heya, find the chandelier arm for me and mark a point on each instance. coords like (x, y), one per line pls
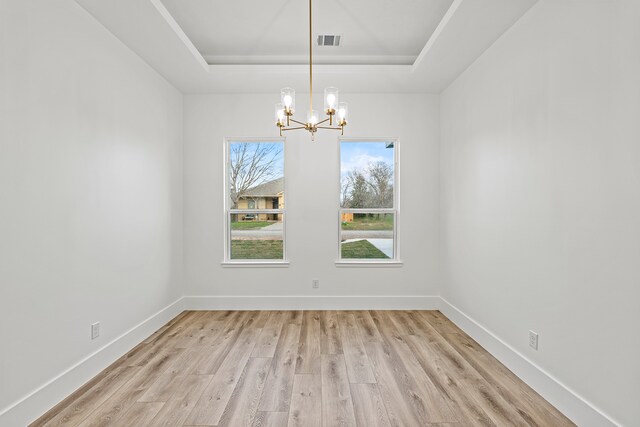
(300, 123)
(328, 127)
(324, 121)
(296, 128)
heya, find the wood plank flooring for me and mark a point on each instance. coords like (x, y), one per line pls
(311, 368)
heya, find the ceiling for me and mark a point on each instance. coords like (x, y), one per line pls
(372, 31)
(254, 46)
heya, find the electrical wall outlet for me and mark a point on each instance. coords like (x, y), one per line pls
(95, 330)
(533, 340)
(315, 283)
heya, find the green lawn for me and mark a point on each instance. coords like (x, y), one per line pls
(361, 249)
(256, 249)
(370, 223)
(248, 225)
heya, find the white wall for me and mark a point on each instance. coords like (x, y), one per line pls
(540, 195)
(90, 192)
(312, 170)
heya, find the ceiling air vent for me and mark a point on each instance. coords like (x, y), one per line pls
(329, 40)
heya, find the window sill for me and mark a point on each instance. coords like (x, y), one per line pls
(363, 263)
(253, 264)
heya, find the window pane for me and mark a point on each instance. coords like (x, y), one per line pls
(367, 174)
(256, 236)
(256, 175)
(367, 235)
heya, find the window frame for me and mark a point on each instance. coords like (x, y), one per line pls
(395, 210)
(227, 211)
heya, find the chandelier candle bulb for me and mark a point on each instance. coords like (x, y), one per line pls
(330, 100)
(343, 112)
(288, 99)
(280, 115)
(312, 117)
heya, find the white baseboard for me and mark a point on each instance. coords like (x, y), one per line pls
(559, 395)
(38, 402)
(311, 302)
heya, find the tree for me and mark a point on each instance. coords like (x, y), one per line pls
(380, 180)
(345, 195)
(250, 164)
(357, 189)
(370, 187)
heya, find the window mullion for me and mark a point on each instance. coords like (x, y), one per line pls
(268, 211)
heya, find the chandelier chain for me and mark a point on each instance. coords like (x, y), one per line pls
(310, 59)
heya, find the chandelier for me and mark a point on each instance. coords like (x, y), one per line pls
(286, 107)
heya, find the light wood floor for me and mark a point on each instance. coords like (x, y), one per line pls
(311, 368)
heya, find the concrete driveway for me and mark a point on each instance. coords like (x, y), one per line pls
(275, 226)
(270, 232)
(367, 234)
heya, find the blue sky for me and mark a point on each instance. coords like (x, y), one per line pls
(357, 155)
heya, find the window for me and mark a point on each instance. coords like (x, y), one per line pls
(254, 207)
(368, 211)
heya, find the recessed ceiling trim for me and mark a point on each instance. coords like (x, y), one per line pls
(460, 39)
(179, 32)
(214, 60)
(304, 69)
(434, 36)
(304, 59)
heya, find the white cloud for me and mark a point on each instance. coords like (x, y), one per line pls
(359, 161)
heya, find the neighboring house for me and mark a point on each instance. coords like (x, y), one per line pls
(269, 195)
(347, 217)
